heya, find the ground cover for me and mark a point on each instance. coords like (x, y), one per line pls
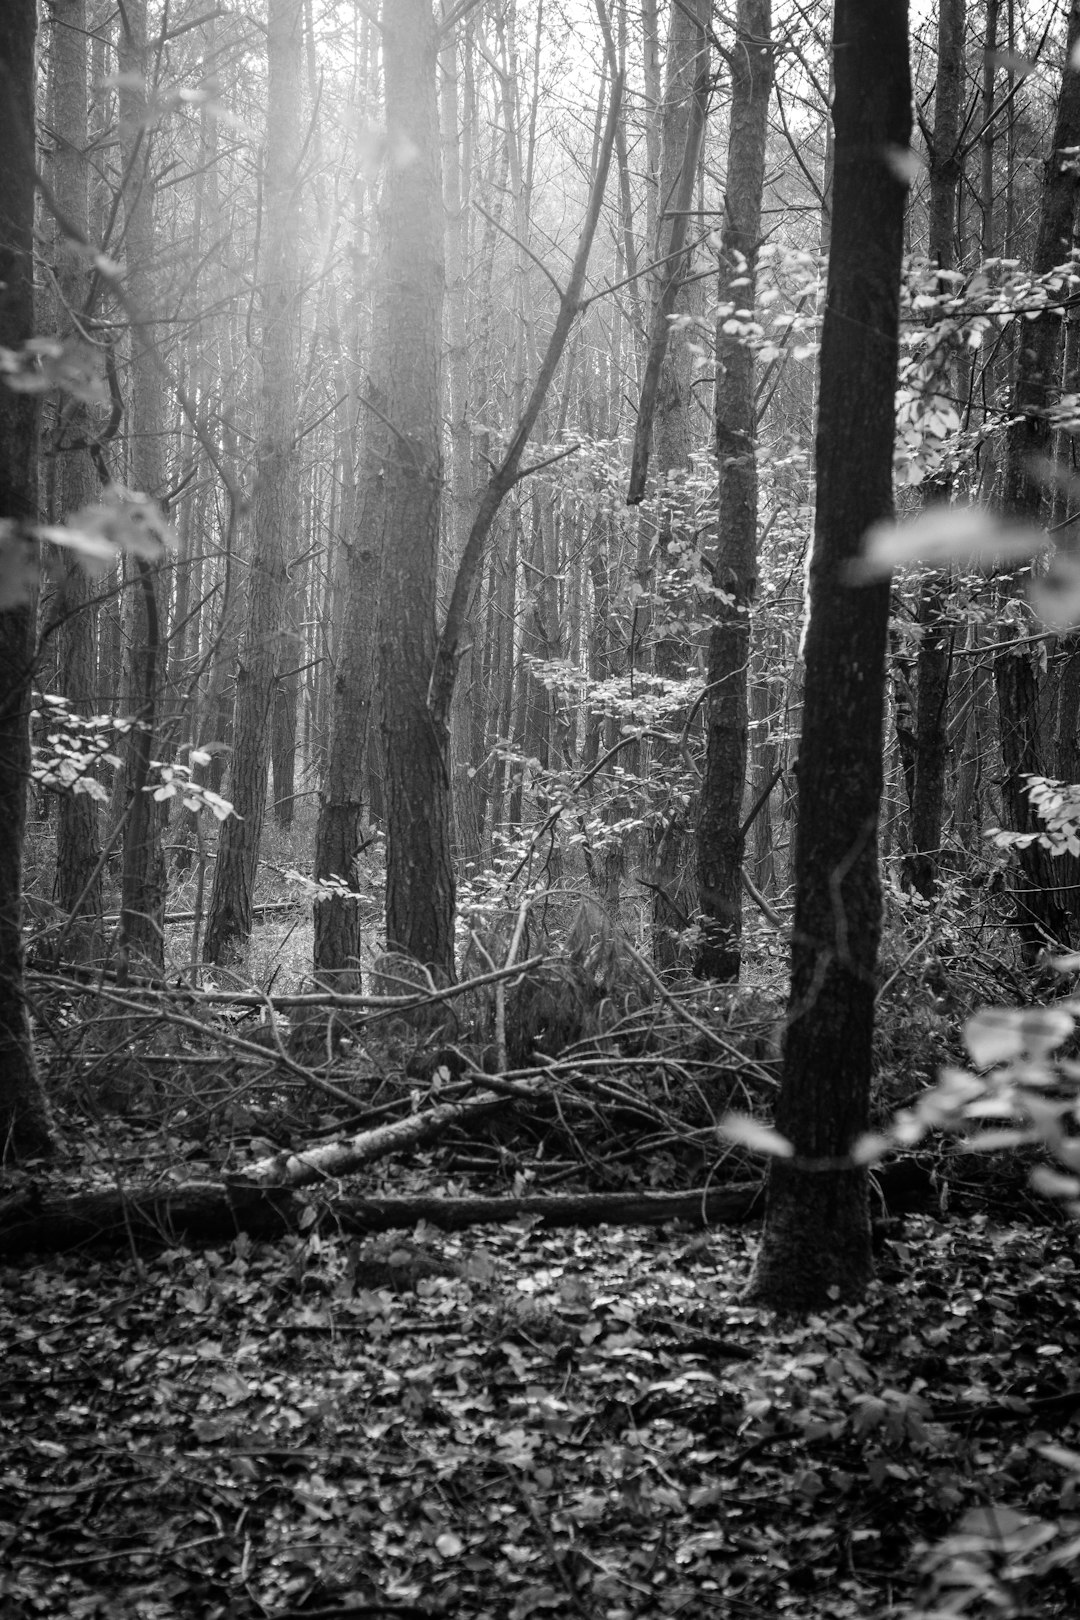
(511, 1422)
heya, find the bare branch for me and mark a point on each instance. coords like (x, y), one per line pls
(665, 302)
(503, 479)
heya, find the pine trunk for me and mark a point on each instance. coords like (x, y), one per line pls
(276, 502)
(406, 437)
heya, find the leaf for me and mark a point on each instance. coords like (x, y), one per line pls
(1012, 62)
(758, 1138)
(943, 534)
(1055, 595)
(1053, 1184)
(870, 1148)
(904, 164)
(1062, 1456)
(992, 1035)
(995, 1521)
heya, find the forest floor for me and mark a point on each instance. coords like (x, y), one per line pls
(514, 1422)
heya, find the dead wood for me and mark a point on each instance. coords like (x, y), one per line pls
(202, 1213)
(199, 1213)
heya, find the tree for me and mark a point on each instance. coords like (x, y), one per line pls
(934, 654)
(403, 454)
(276, 499)
(816, 1242)
(720, 831)
(142, 904)
(24, 1120)
(78, 875)
(1042, 910)
(665, 409)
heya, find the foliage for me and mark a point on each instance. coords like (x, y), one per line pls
(69, 748)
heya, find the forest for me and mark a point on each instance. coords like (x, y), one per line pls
(540, 781)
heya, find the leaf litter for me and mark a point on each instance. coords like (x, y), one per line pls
(513, 1422)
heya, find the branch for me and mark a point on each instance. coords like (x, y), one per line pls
(458, 14)
(549, 461)
(524, 246)
(505, 476)
(665, 303)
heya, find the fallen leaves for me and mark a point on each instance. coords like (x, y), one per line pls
(540, 1424)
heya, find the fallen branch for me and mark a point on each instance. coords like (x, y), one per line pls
(206, 1213)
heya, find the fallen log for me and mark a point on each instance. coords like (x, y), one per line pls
(202, 1213)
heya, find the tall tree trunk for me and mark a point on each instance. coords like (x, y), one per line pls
(466, 718)
(935, 639)
(24, 1120)
(686, 78)
(816, 1244)
(1042, 916)
(719, 833)
(276, 502)
(403, 449)
(78, 880)
(141, 935)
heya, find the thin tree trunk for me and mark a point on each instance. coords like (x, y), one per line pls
(719, 834)
(141, 935)
(816, 1243)
(78, 879)
(934, 658)
(680, 144)
(24, 1121)
(1041, 916)
(276, 502)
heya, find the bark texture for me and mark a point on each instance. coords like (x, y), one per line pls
(78, 881)
(403, 456)
(24, 1120)
(935, 639)
(686, 88)
(719, 834)
(141, 936)
(816, 1244)
(276, 502)
(1042, 908)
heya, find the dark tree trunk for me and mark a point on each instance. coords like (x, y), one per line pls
(1041, 918)
(276, 503)
(24, 1120)
(816, 1243)
(719, 833)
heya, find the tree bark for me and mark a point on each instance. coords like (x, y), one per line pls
(816, 1244)
(25, 1130)
(78, 879)
(934, 658)
(403, 455)
(276, 500)
(681, 127)
(205, 1212)
(720, 837)
(1041, 917)
(199, 1213)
